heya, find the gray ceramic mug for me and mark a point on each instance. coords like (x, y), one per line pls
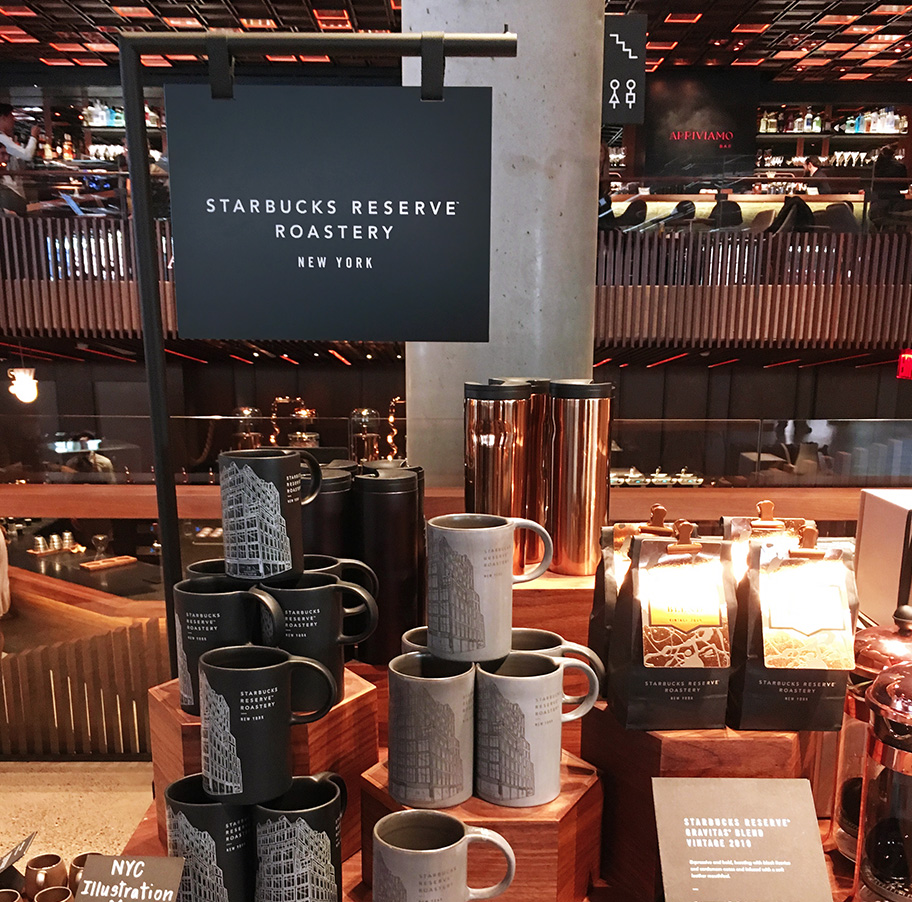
(518, 721)
(431, 721)
(543, 642)
(470, 584)
(420, 856)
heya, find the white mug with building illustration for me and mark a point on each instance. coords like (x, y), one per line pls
(470, 584)
(518, 721)
(431, 719)
(422, 856)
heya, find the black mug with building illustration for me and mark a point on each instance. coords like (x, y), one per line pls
(298, 841)
(215, 841)
(261, 509)
(214, 612)
(518, 721)
(322, 615)
(431, 718)
(470, 584)
(246, 718)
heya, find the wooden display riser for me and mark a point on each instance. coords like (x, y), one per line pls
(556, 845)
(344, 741)
(629, 759)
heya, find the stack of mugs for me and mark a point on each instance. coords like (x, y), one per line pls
(260, 639)
(48, 879)
(479, 708)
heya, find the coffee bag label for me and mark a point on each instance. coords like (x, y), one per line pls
(685, 617)
(806, 617)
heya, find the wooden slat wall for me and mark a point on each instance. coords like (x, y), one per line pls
(736, 289)
(86, 697)
(74, 277)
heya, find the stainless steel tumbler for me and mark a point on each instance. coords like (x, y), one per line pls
(581, 413)
(538, 459)
(496, 424)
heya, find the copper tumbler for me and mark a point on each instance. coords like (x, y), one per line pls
(581, 413)
(496, 424)
(43, 871)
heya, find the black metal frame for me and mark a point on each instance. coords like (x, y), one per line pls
(432, 47)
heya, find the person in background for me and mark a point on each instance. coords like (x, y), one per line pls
(88, 461)
(12, 193)
(817, 176)
(890, 179)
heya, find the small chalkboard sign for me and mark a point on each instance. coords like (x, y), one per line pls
(739, 840)
(122, 878)
(16, 852)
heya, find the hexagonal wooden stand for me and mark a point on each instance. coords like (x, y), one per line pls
(344, 741)
(629, 759)
(556, 845)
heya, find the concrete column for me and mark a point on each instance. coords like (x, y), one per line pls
(544, 188)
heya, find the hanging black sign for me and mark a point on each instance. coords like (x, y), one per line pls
(624, 72)
(331, 213)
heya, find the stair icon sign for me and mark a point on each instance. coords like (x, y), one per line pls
(622, 45)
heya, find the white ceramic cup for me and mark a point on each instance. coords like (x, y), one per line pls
(421, 856)
(518, 721)
(470, 584)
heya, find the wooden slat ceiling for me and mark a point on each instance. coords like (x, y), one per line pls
(796, 40)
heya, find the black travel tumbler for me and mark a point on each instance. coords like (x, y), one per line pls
(324, 522)
(386, 534)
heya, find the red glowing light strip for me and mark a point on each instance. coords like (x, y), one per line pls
(242, 359)
(185, 356)
(4, 344)
(32, 356)
(769, 366)
(805, 366)
(723, 363)
(106, 354)
(289, 359)
(862, 366)
(683, 18)
(649, 366)
(336, 354)
(602, 362)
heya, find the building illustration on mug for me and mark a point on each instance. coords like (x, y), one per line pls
(255, 533)
(295, 862)
(503, 756)
(454, 608)
(222, 774)
(425, 760)
(387, 886)
(202, 879)
(185, 686)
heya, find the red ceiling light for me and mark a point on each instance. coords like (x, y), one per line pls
(333, 19)
(858, 54)
(23, 11)
(854, 76)
(651, 68)
(770, 366)
(69, 48)
(883, 38)
(836, 20)
(862, 29)
(242, 359)
(182, 22)
(88, 61)
(836, 46)
(661, 45)
(258, 23)
(314, 59)
(56, 61)
(182, 57)
(880, 64)
(338, 356)
(889, 9)
(655, 63)
(102, 47)
(289, 359)
(747, 62)
(683, 18)
(154, 60)
(185, 356)
(723, 363)
(396, 4)
(805, 366)
(601, 362)
(789, 54)
(751, 28)
(814, 61)
(272, 58)
(134, 12)
(649, 366)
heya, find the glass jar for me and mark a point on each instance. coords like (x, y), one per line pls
(883, 871)
(364, 428)
(875, 649)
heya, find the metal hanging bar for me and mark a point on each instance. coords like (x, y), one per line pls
(433, 47)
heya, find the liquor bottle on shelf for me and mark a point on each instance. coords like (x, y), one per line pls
(817, 123)
(808, 120)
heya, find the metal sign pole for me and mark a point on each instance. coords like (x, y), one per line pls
(433, 49)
